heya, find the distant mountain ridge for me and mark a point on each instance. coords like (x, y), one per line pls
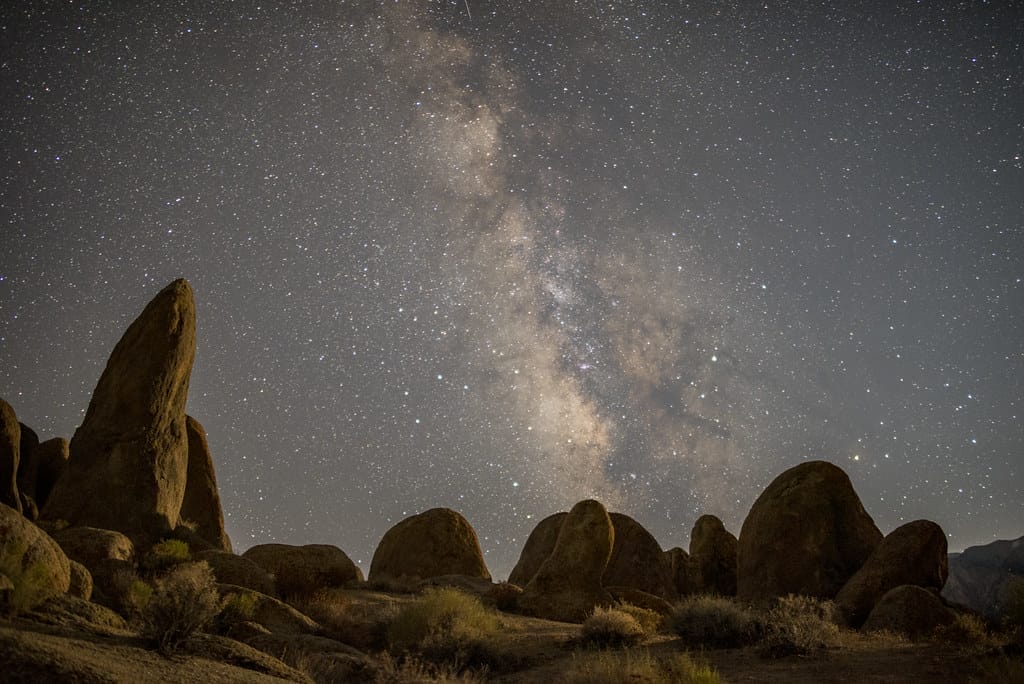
(978, 576)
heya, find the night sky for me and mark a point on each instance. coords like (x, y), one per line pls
(504, 256)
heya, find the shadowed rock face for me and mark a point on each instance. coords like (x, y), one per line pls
(806, 534)
(685, 575)
(10, 456)
(568, 584)
(201, 503)
(713, 555)
(431, 544)
(538, 547)
(978, 577)
(908, 610)
(637, 561)
(914, 554)
(51, 459)
(129, 457)
(28, 462)
(303, 570)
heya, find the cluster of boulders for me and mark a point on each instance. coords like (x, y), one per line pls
(139, 470)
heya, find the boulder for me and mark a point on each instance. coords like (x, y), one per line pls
(27, 460)
(568, 586)
(51, 459)
(434, 543)
(912, 611)
(201, 503)
(81, 581)
(31, 559)
(685, 574)
(129, 457)
(914, 553)
(275, 615)
(807, 533)
(713, 556)
(10, 456)
(28, 507)
(106, 554)
(302, 570)
(538, 547)
(637, 560)
(231, 569)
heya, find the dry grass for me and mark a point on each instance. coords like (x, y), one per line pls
(410, 670)
(609, 667)
(651, 621)
(967, 632)
(446, 625)
(713, 622)
(798, 625)
(611, 628)
(363, 626)
(182, 602)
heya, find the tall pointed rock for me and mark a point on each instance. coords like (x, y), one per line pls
(201, 504)
(129, 458)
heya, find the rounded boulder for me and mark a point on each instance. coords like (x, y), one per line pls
(434, 543)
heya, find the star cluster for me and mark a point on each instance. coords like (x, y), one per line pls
(504, 256)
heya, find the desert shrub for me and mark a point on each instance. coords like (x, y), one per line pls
(713, 621)
(651, 621)
(445, 625)
(611, 627)
(30, 584)
(182, 602)
(239, 607)
(967, 631)
(410, 670)
(610, 667)
(165, 554)
(798, 625)
(364, 626)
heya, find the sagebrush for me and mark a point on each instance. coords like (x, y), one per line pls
(183, 601)
(611, 627)
(713, 621)
(798, 625)
(445, 625)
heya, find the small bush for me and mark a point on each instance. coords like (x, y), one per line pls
(183, 601)
(611, 627)
(713, 621)
(632, 666)
(967, 631)
(166, 554)
(410, 670)
(236, 608)
(30, 584)
(799, 625)
(445, 625)
(651, 621)
(505, 596)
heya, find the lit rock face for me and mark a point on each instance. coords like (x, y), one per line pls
(129, 458)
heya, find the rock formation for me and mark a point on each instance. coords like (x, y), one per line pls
(433, 543)
(914, 553)
(978, 577)
(28, 549)
(129, 457)
(106, 554)
(538, 547)
(806, 534)
(912, 611)
(302, 570)
(568, 586)
(637, 560)
(10, 451)
(231, 569)
(27, 461)
(201, 503)
(51, 459)
(685, 574)
(713, 556)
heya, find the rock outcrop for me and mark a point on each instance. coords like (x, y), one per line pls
(685, 574)
(713, 556)
(51, 459)
(568, 585)
(637, 561)
(231, 569)
(106, 554)
(129, 457)
(10, 453)
(912, 611)
(806, 534)
(201, 503)
(914, 553)
(979, 576)
(32, 554)
(27, 461)
(431, 544)
(302, 570)
(537, 548)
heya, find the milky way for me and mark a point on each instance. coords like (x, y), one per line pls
(504, 256)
